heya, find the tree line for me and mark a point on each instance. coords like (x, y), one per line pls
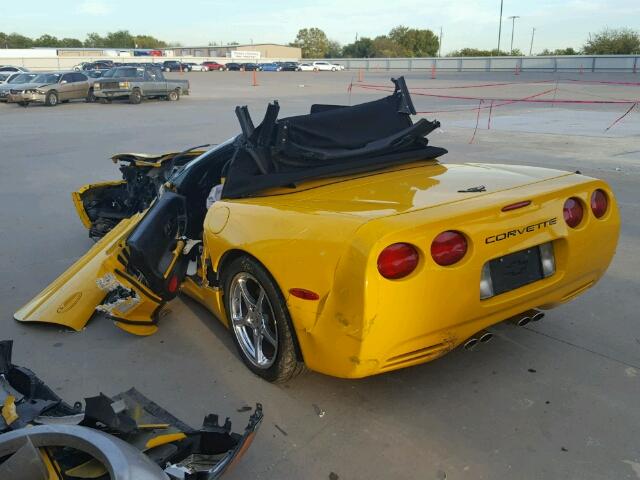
(411, 42)
(401, 41)
(119, 39)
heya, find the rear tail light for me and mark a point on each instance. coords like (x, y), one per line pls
(172, 286)
(398, 260)
(599, 203)
(573, 212)
(448, 248)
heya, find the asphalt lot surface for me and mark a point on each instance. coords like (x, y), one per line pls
(558, 399)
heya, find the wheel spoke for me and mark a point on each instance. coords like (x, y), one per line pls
(241, 321)
(242, 284)
(267, 334)
(257, 347)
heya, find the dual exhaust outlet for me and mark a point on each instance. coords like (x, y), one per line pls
(520, 320)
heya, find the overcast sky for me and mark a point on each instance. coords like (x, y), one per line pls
(466, 23)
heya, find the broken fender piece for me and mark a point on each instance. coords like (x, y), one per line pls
(155, 439)
(9, 412)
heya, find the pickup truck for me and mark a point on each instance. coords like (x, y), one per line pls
(136, 83)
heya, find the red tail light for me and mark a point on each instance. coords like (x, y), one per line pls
(172, 286)
(599, 203)
(573, 212)
(448, 248)
(398, 260)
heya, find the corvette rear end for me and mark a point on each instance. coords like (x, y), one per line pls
(487, 244)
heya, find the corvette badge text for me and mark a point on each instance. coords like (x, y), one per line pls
(520, 231)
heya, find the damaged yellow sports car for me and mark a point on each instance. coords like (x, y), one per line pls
(334, 240)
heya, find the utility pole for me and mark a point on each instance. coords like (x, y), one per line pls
(513, 27)
(533, 33)
(440, 44)
(500, 26)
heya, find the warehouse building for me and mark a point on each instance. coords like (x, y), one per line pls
(253, 51)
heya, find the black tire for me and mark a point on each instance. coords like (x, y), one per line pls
(173, 95)
(51, 99)
(23, 104)
(135, 97)
(91, 98)
(286, 364)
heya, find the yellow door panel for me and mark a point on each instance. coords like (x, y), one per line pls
(99, 275)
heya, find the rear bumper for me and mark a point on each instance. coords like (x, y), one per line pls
(112, 93)
(375, 325)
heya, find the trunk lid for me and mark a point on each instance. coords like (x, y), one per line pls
(413, 187)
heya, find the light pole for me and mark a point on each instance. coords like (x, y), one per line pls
(500, 26)
(533, 32)
(440, 44)
(513, 27)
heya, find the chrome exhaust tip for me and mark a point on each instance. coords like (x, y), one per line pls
(484, 336)
(470, 344)
(537, 316)
(520, 320)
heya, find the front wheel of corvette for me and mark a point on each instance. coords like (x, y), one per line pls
(259, 321)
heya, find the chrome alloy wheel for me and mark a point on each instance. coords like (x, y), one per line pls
(253, 320)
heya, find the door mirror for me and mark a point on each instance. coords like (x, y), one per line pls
(63, 82)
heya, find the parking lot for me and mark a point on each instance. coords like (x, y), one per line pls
(557, 399)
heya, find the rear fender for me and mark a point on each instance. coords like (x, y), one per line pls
(97, 281)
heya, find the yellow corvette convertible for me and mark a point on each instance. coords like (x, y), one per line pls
(334, 240)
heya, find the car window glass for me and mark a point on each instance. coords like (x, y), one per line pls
(78, 77)
(47, 78)
(23, 78)
(67, 77)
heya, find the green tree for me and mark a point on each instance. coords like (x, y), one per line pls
(15, 40)
(46, 41)
(147, 41)
(475, 52)
(362, 48)
(94, 40)
(120, 39)
(70, 43)
(560, 51)
(623, 41)
(313, 42)
(386, 47)
(417, 42)
(334, 50)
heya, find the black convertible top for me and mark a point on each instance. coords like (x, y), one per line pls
(331, 140)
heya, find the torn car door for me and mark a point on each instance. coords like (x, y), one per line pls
(129, 274)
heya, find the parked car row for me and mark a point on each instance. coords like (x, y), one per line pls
(129, 83)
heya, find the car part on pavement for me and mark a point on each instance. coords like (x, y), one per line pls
(127, 437)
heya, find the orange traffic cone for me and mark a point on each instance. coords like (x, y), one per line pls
(433, 71)
(255, 79)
